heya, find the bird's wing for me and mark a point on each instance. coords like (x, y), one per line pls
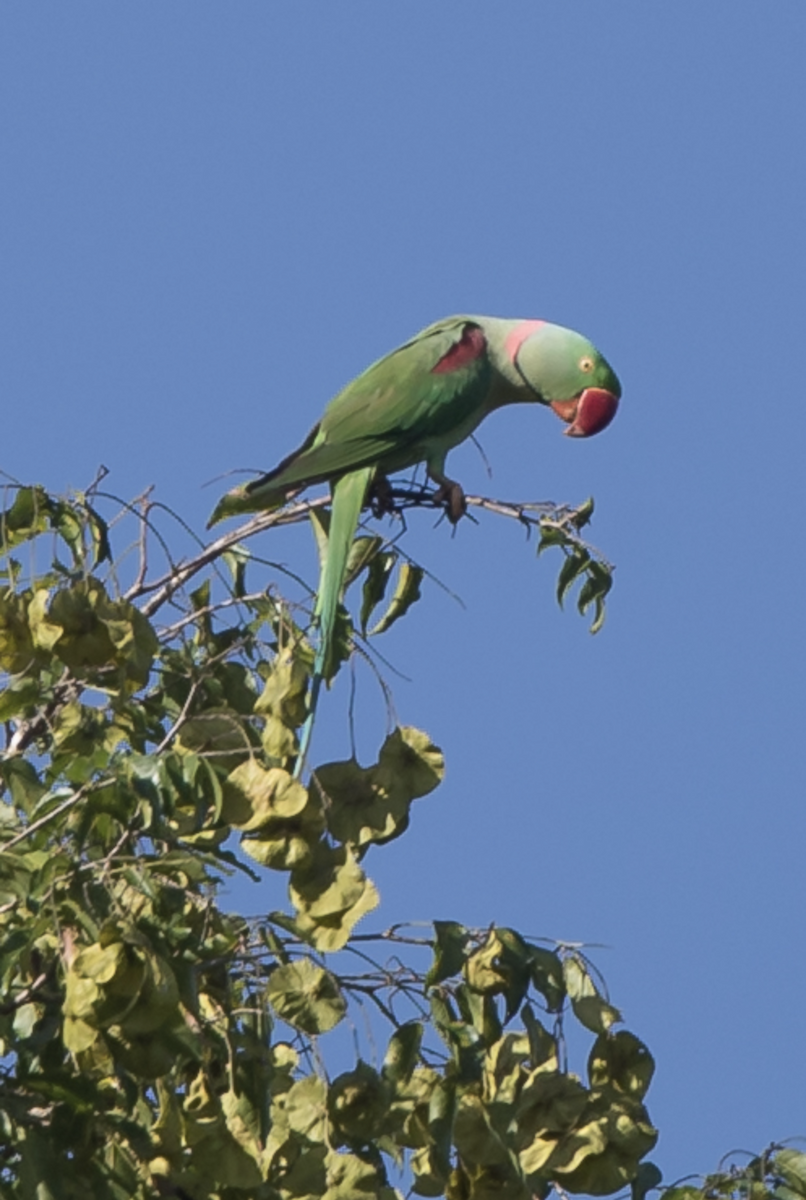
(386, 417)
(420, 391)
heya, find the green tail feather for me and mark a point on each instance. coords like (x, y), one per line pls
(349, 494)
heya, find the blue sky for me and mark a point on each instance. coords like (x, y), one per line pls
(212, 216)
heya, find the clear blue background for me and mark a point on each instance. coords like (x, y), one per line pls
(212, 216)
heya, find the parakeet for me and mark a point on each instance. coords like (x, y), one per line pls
(414, 406)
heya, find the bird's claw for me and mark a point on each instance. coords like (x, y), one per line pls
(382, 500)
(452, 496)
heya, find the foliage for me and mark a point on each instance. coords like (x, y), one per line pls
(778, 1174)
(154, 1043)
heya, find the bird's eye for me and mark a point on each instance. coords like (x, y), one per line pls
(586, 364)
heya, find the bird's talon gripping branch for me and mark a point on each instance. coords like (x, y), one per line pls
(451, 495)
(381, 496)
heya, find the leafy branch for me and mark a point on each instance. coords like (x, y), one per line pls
(154, 1043)
(558, 525)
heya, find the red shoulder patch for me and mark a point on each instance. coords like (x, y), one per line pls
(470, 346)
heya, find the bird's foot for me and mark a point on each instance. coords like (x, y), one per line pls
(381, 499)
(452, 496)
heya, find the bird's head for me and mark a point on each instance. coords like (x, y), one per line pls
(567, 372)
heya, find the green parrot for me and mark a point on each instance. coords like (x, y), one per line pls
(414, 406)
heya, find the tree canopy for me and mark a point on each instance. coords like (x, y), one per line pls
(155, 1043)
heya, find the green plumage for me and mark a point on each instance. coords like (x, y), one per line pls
(390, 415)
(414, 406)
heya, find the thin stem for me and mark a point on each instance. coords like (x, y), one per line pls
(65, 806)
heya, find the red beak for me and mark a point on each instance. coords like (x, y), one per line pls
(589, 413)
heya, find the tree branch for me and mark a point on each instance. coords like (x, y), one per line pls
(531, 514)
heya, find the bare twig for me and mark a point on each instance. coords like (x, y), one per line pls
(24, 996)
(164, 587)
(170, 631)
(391, 935)
(484, 457)
(530, 514)
(370, 992)
(26, 732)
(180, 720)
(65, 806)
(100, 475)
(145, 504)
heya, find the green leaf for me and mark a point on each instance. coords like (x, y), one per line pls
(403, 1052)
(574, 565)
(221, 734)
(306, 996)
(142, 1018)
(41, 1167)
(362, 553)
(23, 782)
(331, 885)
(356, 1103)
(549, 1106)
(200, 603)
(410, 761)
(236, 559)
(351, 1177)
(217, 1154)
(360, 810)
(331, 895)
(548, 977)
(441, 1111)
(374, 590)
(501, 966)
(430, 1172)
(603, 1152)
(285, 819)
(464, 1041)
(284, 691)
(371, 804)
(550, 536)
(305, 1107)
(406, 593)
(649, 1176)
(157, 1005)
(593, 591)
(450, 944)
(621, 1061)
(99, 533)
(243, 1123)
(791, 1164)
(475, 1137)
(18, 644)
(543, 1049)
(590, 1009)
(582, 515)
(80, 1093)
(28, 516)
(70, 525)
(255, 798)
(88, 630)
